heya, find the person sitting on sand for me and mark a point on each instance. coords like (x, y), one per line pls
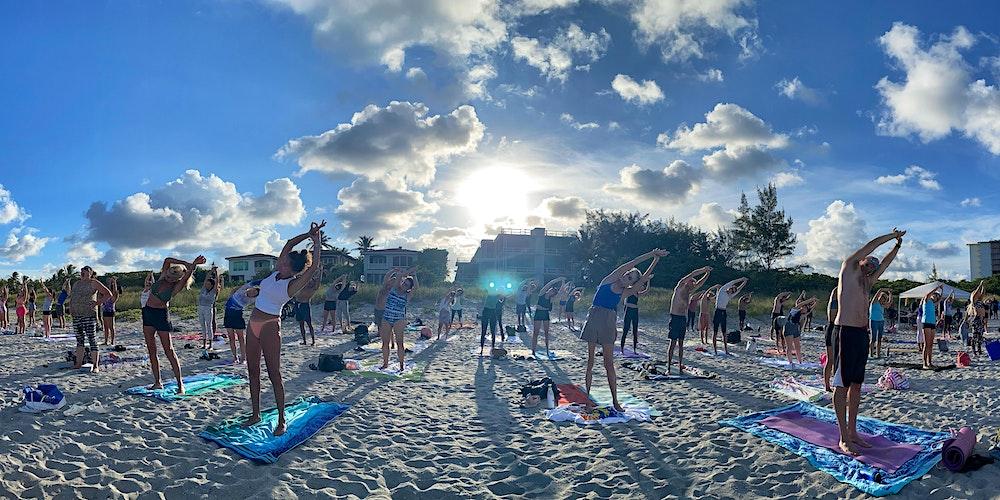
(600, 328)
(295, 271)
(303, 304)
(632, 317)
(399, 288)
(330, 302)
(929, 326)
(108, 312)
(84, 297)
(850, 334)
(743, 304)
(444, 314)
(793, 328)
(343, 313)
(778, 310)
(706, 312)
(207, 296)
(542, 317)
(876, 313)
(175, 276)
(720, 319)
(232, 318)
(521, 300)
(570, 306)
(678, 307)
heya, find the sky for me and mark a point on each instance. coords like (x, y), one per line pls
(132, 131)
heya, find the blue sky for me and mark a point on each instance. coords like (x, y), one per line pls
(136, 130)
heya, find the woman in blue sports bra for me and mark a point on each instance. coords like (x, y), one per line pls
(929, 308)
(600, 327)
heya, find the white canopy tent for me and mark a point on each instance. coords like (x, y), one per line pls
(921, 291)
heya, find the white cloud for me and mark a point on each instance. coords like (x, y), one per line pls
(21, 243)
(197, 212)
(794, 89)
(681, 28)
(571, 208)
(399, 140)
(924, 178)
(613, 125)
(672, 185)
(416, 73)
(381, 207)
(790, 178)
(727, 125)
(972, 202)
(532, 7)
(10, 211)
(839, 232)
(711, 75)
(740, 161)
(943, 249)
(647, 92)
(939, 93)
(711, 216)
(568, 119)
(555, 60)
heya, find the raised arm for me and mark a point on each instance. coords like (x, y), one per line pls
(932, 292)
(549, 285)
(872, 245)
(190, 267)
(307, 274)
(103, 294)
(624, 268)
(114, 288)
(638, 287)
(889, 257)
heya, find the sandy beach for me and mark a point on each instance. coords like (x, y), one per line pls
(459, 433)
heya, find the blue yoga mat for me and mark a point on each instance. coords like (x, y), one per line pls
(194, 385)
(303, 418)
(846, 469)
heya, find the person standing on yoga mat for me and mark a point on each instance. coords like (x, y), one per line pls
(399, 289)
(542, 318)
(330, 302)
(719, 321)
(948, 311)
(632, 318)
(778, 309)
(3, 307)
(207, 296)
(521, 300)
(19, 309)
(84, 297)
(929, 326)
(679, 303)
(692, 311)
(793, 328)
(295, 269)
(108, 311)
(744, 303)
(456, 307)
(444, 314)
(175, 276)
(232, 318)
(600, 327)
(303, 305)
(880, 302)
(850, 334)
(705, 310)
(977, 318)
(488, 318)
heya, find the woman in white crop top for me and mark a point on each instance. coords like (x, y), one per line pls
(294, 270)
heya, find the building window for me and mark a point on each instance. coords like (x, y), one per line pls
(239, 265)
(262, 264)
(376, 259)
(402, 261)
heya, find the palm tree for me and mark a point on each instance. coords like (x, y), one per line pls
(72, 272)
(324, 242)
(365, 244)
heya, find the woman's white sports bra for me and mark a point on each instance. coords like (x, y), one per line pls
(273, 294)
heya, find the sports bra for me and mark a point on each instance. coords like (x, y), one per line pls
(164, 296)
(273, 294)
(606, 297)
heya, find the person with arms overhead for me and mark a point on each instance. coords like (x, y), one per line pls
(685, 287)
(719, 322)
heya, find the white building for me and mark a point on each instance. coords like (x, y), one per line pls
(377, 263)
(984, 259)
(519, 254)
(243, 268)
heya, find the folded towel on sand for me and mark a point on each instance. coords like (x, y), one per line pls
(806, 388)
(630, 354)
(572, 394)
(899, 453)
(58, 337)
(657, 370)
(303, 419)
(808, 366)
(600, 415)
(412, 371)
(602, 396)
(194, 385)
(553, 355)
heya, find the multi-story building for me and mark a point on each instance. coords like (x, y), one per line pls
(377, 263)
(518, 254)
(334, 258)
(984, 259)
(243, 268)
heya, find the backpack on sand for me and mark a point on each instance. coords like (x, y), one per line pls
(331, 363)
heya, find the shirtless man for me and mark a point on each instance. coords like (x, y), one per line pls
(678, 313)
(778, 310)
(726, 293)
(850, 334)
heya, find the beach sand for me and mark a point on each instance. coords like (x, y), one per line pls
(460, 432)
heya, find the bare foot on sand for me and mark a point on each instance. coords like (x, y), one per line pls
(848, 448)
(279, 429)
(250, 421)
(155, 386)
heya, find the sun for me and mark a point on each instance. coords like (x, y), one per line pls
(495, 192)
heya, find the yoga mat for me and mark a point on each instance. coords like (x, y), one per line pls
(554, 355)
(806, 366)
(186, 336)
(630, 354)
(845, 468)
(602, 396)
(918, 366)
(657, 370)
(412, 372)
(194, 385)
(721, 354)
(884, 454)
(572, 394)
(303, 419)
(795, 389)
(957, 450)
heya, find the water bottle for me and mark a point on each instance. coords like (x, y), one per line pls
(550, 397)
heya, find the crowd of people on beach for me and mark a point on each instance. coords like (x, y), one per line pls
(858, 318)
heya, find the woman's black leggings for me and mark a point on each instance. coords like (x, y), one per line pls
(692, 325)
(489, 317)
(631, 319)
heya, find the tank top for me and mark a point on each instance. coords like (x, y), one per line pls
(81, 299)
(273, 294)
(876, 312)
(795, 315)
(544, 303)
(930, 314)
(606, 297)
